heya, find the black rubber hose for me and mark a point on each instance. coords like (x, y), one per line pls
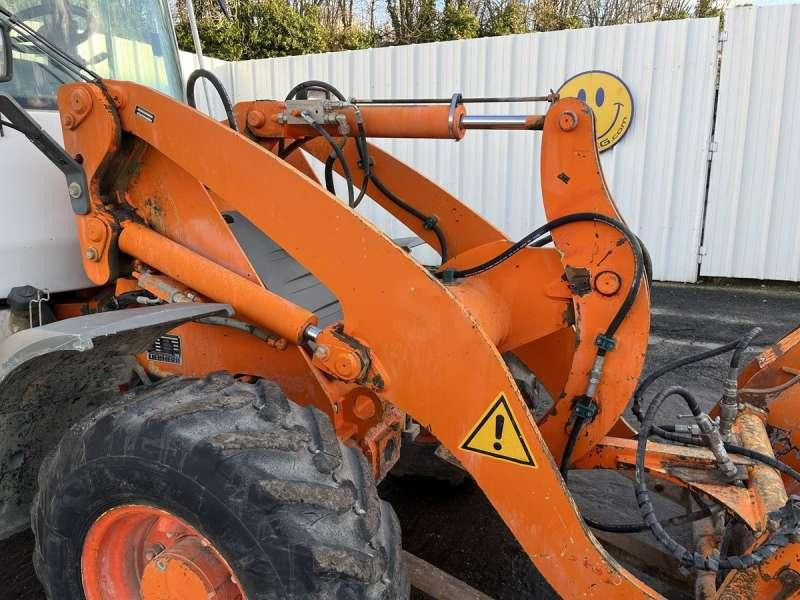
(560, 222)
(744, 343)
(648, 262)
(619, 317)
(191, 84)
(777, 539)
(566, 456)
(532, 237)
(298, 143)
(314, 83)
(429, 222)
(638, 394)
(348, 176)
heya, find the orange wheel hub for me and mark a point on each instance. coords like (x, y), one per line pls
(137, 551)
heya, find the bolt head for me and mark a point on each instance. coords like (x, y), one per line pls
(75, 190)
(567, 120)
(161, 565)
(322, 352)
(256, 119)
(347, 366)
(91, 254)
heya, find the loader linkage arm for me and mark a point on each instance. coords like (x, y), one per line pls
(167, 185)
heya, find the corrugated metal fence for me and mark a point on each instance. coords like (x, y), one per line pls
(753, 222)
(656, 173)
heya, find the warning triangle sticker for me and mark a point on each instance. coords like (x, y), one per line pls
(497, 435)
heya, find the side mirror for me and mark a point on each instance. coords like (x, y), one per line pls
(6, 69)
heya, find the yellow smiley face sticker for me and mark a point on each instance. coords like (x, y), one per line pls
(610, 100)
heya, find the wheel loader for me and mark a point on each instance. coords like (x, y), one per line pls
(208, 359)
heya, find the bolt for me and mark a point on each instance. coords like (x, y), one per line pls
(75, 190)
(161, 565)
(91, 254)
(347, 366)
(256, 119)
(322, 352)
(68, 121)
(567, 120)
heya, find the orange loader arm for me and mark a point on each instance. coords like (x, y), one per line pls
(164, 183)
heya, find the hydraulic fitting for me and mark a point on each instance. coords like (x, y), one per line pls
(729, 405)
(713, 440)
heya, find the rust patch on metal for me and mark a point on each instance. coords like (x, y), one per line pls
(154, 215)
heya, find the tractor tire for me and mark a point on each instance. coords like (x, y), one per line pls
(291, 511)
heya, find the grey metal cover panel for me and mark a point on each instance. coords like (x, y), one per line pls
(282, 274)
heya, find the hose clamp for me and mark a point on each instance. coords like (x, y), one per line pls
(455, 101)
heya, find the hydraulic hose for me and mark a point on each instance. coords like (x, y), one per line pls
(351, 197)
(428, 221)
(191, 84)
(638, 394)
(790, 519)
(560, 222)
(312, 84)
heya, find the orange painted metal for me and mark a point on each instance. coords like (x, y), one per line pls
(662, 462)
(463, 228)
(407, 343)
(774, 367)
(140, 551)
(249, 299)
(409, 121)
(436, 356)
(572, 182)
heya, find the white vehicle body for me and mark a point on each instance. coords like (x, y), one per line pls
(38, 238)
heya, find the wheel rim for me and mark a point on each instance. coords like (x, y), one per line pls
(138, 551)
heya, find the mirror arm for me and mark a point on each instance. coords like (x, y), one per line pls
(76, 178)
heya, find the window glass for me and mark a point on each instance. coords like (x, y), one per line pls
(118, 39)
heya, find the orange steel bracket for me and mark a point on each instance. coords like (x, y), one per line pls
(441, 366)
(602, 263)
(775, 368)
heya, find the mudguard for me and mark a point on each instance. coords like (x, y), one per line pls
(53, 375)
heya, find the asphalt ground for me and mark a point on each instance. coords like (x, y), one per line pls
(456, 529)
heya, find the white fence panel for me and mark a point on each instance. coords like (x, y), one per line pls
(753, 219)
(657, 173)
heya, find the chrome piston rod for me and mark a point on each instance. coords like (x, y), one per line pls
(502, 122)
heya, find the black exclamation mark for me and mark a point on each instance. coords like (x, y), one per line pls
(498, 431)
